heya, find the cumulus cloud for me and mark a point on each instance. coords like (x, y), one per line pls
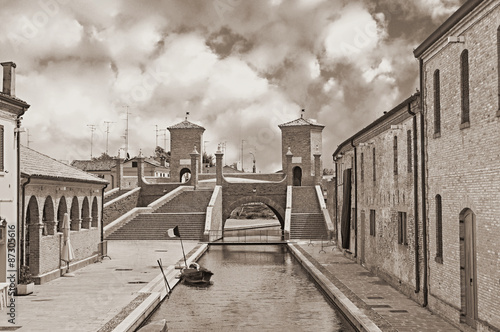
(239, 67)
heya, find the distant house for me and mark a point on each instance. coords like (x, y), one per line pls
(225, 170)
(106, 169)
(100, 168)
(49, 189)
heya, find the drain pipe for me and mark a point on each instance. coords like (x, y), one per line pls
(336, 192)
(422, 151)
(415, 197)
(355, 166)
(102, 213)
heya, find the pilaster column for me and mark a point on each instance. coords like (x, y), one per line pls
(218, 167)
(119, 172)
(140, 169)
(194, 167)
(289, 175)
(317, 169)
(35, 239)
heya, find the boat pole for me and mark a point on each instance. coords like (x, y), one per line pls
(183, 253)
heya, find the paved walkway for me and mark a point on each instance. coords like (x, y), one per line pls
(98, 292)
(387, 308)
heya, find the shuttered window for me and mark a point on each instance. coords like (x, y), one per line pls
(437, 102)
(374, 168)
(362, 173)
(395, 148)
(2, 143)
(372, 222)
(409, 150)
(464, 82)
(402, 228)
(439, 230)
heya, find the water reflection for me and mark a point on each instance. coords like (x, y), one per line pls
(255, 288)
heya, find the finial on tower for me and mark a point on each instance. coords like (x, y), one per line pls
(302, 113)
(187, 113)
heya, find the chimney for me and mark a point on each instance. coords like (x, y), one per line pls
(163, 161)
(9, 78)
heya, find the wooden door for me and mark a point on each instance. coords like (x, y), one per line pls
(470, 269)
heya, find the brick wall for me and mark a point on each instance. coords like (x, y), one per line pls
(390, 194)
(276, 177)
(463, 163)
(182, 142)
(151, 192)
(120, 205)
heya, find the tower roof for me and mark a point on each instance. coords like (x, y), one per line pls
(301, 122)
(185, 125)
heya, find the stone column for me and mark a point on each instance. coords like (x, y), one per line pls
(140, 169)
(289, 175)
(194, 167)
(317, 169)
(218, 166)
(119, 172)
(35, 240)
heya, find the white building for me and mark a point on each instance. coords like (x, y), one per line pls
(11, 110)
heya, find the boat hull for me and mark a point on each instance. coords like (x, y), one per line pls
(194, 276)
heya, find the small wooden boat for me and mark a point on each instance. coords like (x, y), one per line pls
(194, 274)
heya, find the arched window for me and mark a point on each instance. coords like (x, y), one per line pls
(395, 147)
(439, 230)
(464, 83)
(498, 68)
(437, 103)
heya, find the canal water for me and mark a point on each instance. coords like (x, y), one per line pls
(254, 288)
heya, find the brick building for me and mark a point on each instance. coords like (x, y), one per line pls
(460, 81)
(49, 189)
(304, 138)
(11, 110)
(376, 202)
(184, 136)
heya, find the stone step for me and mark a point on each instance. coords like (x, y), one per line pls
(305, 200)
(187, 201)
(307, 226)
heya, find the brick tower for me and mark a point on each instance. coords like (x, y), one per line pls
(304, 138)
(184, 136)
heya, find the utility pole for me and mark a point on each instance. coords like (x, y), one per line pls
(164, 138)
(92, 129)
(253, 168)
(242, 141)
(156, 126)
(107, 134)
(28, 141)
(126, 131)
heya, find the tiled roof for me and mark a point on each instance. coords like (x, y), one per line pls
(93, 165)
(35, 164)
(185, 125)
(301, 122)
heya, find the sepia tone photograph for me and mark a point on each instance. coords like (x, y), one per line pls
(250, 165)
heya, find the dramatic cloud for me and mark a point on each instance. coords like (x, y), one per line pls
(239, 68)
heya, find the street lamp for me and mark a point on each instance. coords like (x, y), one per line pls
(253, 168)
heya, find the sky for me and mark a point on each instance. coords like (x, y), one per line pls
(239, 67)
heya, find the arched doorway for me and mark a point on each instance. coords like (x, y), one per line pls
(32, 218)
(85, 213)
(95, 212)
(185, 175)
(297, 176)
(61, 210)
(74, 215)
(468, 273)
(48, 217)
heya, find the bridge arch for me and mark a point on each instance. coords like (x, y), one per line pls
(278, 210)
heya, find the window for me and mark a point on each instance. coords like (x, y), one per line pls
(439, 230)
(362, 166)
(408, 150)
(374, 168)
(395, 148)
(372, 222)
(437, 103)
(498, 68)
(2, 166)
(402, 233)
(464, 85)
(134, 164)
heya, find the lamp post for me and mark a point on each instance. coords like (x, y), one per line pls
(253, 168)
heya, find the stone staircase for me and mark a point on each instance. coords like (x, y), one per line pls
(307, 220)
(186, 210)
(118, 193)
